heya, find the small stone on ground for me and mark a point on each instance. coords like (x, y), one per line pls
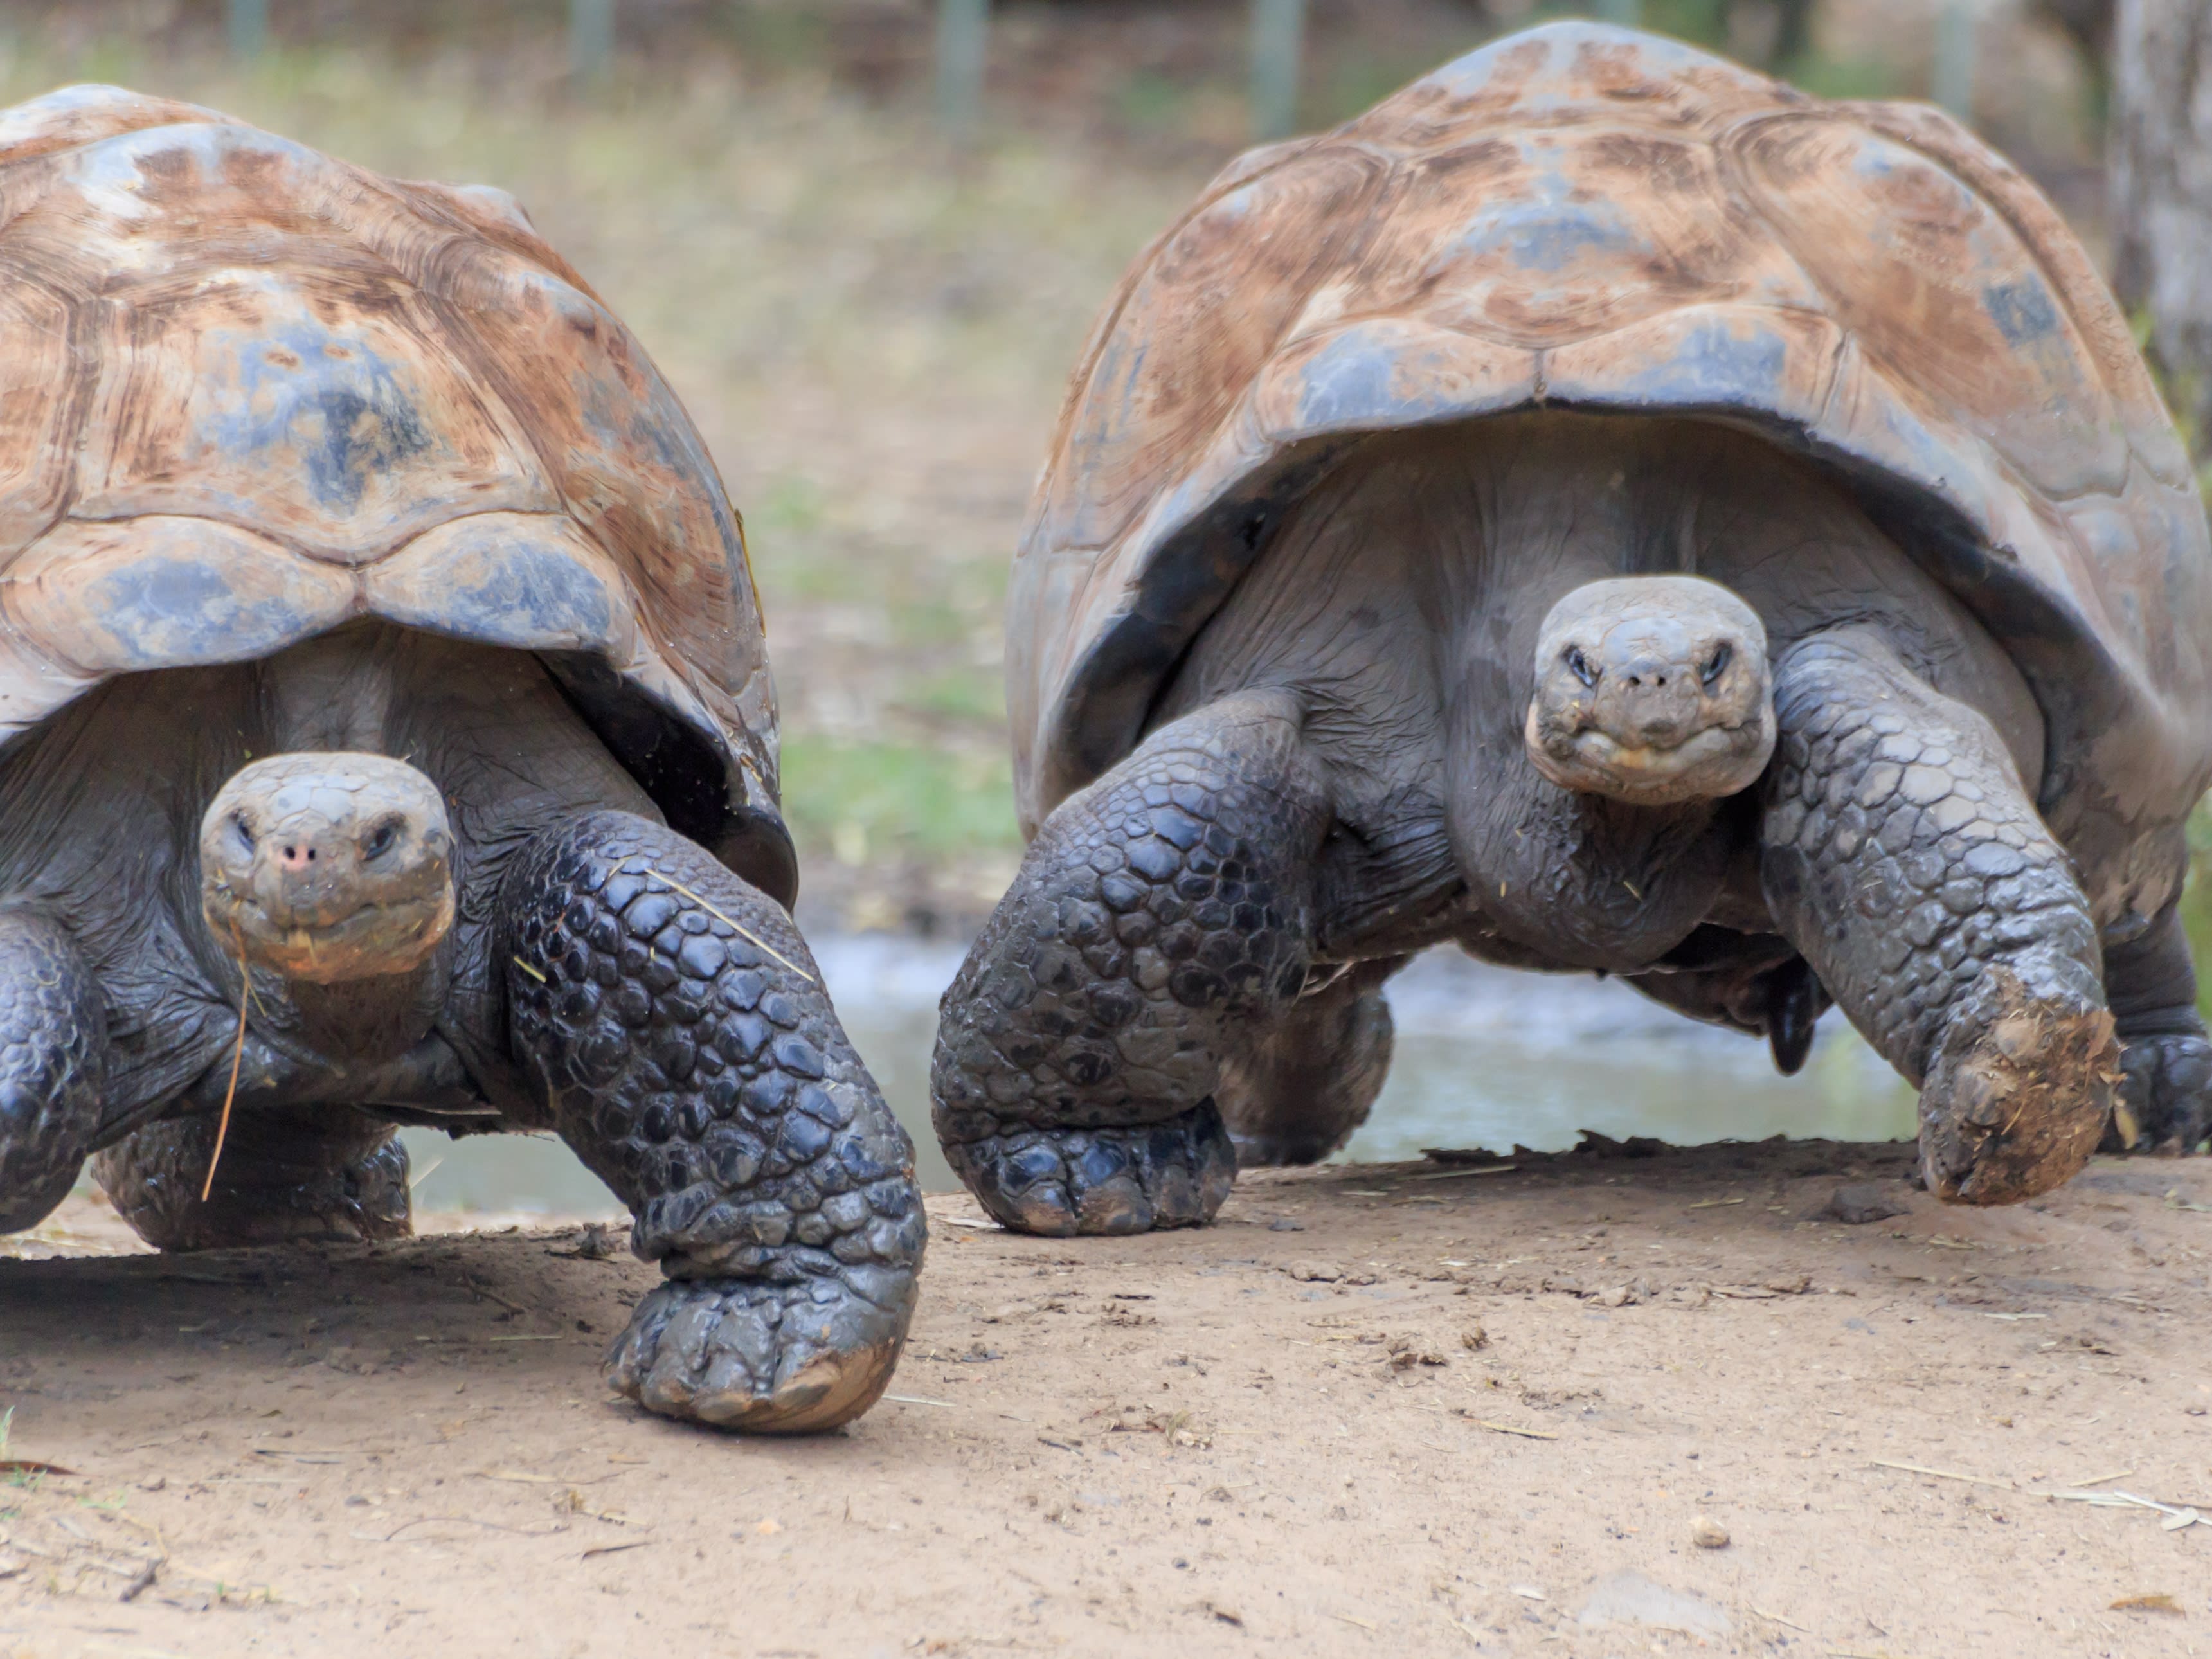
(1857, 1206)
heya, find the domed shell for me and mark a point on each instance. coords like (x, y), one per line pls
(253, 392)
(1582, 217)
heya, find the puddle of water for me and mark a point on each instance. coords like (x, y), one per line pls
(1486, 1057)
(1489, 1057)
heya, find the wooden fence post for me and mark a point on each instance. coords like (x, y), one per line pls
(1278, 28)
(1954, 78)
(963, 39)
(591, 37)
(248, 27)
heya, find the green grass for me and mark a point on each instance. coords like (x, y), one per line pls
(973, 695)
(2197, 901)
(867, 802)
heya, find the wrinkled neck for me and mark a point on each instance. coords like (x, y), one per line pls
(362, 1021)
(331, 693)
(1589, 881)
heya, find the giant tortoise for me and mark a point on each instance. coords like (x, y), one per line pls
(389, 740)
(1610, 511)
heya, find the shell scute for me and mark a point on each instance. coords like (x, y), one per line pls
(70, 118)
(1939, 290)
(119, 596)
(532, 581)
(1218, 294)
(35, 398)
(328, 414)
(618, 449)
(1766, 362)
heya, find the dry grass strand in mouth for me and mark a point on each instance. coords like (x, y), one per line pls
(237, 1057)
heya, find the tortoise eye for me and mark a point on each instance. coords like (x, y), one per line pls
(239, 828)
(381, 839)
(1713, 669)
(1579, 665)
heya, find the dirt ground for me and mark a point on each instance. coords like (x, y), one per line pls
(1400, 1409)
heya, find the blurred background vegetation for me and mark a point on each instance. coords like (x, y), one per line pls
(871, 322)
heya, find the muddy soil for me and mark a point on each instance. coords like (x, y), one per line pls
(1387, 1410)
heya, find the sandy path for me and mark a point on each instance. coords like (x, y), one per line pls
(1268, 1437)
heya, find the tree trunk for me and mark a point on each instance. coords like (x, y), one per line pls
(2161, 192)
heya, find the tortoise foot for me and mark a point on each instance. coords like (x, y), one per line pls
(764, 1358)
(2019, 1098)
(282, 1179)
(1061, 1182)
(2166, 1096)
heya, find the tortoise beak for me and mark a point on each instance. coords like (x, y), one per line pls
(328, 867)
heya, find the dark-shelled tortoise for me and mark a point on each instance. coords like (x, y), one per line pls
(371, 614)
(1613, 511)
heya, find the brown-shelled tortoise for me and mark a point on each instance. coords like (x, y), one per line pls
(1612, 511)
(371, 615)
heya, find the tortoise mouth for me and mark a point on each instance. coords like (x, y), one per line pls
(328, 866)
(376, 939)
(1716, 762)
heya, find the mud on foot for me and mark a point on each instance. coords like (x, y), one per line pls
(2019, 1096)
(766, 1358)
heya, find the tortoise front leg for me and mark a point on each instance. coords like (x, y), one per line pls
(2164, 1054)
(53, 1060)
(680, 1028)
(1161, 922)
(1905, 862)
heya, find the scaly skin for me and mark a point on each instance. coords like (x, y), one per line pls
(1160, 921)
(1902, 858)
(2165, 1059)
(53, 1054)
(283, 1177)
(1296, 1095)
(694, 1062)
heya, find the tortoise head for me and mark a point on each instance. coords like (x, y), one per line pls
(328, 866)
(1653, 690)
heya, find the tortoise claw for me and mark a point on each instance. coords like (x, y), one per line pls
(762, 1359)
(1061, 1182)
(1793, 1008)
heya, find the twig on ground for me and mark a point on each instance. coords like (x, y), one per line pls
(1455, 1175)
(490, 1295)
(1507, 1428)
(2088, 1480)
(460, 1520)
(1945, 1474)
